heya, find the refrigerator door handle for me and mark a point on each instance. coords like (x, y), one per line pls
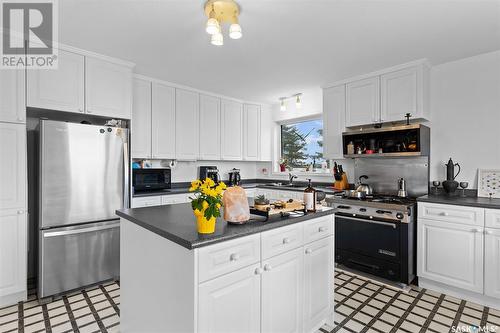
(80, 231)
(126, 185)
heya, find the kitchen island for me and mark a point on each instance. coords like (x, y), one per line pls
(274, 276)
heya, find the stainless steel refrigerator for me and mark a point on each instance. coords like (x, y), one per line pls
(83, 179)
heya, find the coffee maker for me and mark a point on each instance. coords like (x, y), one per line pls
(209, 172)
(234, 177)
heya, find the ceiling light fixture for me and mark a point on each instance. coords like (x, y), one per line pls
(282, 104)
(219, 12)
(298, 102)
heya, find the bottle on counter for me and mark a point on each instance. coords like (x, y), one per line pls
(350, 148)
(310, 198)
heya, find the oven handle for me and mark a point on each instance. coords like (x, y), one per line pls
(387, 224)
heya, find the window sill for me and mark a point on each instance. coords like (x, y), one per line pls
(299, 173)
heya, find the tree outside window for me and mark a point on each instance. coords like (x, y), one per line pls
(302, 146)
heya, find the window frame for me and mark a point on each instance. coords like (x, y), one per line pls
(277, 151)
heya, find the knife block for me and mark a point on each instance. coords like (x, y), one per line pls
(342, 184)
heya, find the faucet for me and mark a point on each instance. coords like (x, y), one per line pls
(291, 178)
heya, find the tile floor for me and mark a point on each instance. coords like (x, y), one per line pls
(361, 305)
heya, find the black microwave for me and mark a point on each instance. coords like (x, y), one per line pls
(145, 180)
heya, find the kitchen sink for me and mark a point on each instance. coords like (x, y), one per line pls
(286, 185)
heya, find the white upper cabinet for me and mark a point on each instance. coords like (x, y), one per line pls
(210, 128)
(163, 122)
(12, 102)
(108, 88)
(266, 134)
(363, 102)
(403, 92)
(231, 125)
(59, 89)
(451, 253)
(12, 166)
(251, 132)
(187, 116)
(141, 119)
(333, 121)
(283, 292)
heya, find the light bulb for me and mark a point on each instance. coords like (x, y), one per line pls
(298, 103)
(235, 31)
(213, 26)
(217, 39)
(283, 106)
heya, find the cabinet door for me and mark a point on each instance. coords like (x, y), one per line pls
(12, 105)
(492, 263)
(187, 116)
(163, 122)
(108, 88)
(251, 132)
(363, 102)
(400, 94)
(13, 254)
(138, 202)
(333, 121)
(141, 119)
(450, 253)
(59, 89)
(231, 303)
(232, 124)
(210, 129)
(318, 283)
(282, 292)
(12, 166)
(266, 134)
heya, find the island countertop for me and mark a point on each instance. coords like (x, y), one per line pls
(458, 200)
(177, 223)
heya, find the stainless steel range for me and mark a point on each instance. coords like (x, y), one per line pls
(376, 235)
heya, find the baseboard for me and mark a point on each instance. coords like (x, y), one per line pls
(12, 299)
(459, 293)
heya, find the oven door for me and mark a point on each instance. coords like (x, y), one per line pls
(368, 245)
(151, 179)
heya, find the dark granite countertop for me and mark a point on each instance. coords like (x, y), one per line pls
(177, 223)
(458, 200)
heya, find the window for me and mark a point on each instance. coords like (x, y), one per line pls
(302, 147)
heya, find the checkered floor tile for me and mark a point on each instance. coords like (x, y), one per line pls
(361, 305)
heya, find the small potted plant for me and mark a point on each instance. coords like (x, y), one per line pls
(261, 200)
(283, 164)
(206, 203)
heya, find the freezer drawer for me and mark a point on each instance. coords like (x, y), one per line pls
(74, 257)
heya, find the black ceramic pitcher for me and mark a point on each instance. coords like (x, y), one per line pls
(450, 185)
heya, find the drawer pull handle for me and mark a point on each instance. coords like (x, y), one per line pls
(286, 240)
(476, 230)
(444, 214)
(234, 257)
(267, 267)
(20, 212)
(488, 232)
(309, 251)
(321, 229)
(259, 271)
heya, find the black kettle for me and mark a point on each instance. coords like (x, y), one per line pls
(450, 185)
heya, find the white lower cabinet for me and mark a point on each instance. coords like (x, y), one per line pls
(451, 253)
(282, 292)
(318, 282)
(158, 200)
(492, 263)
(13, 255)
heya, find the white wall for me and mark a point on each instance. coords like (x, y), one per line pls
(188, 171)
(465, 124)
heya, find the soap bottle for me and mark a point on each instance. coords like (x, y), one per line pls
(310, 198)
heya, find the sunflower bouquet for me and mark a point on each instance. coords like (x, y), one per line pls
(206, 203)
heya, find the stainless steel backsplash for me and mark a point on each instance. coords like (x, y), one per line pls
(384, 173)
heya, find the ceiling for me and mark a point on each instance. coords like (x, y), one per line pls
(288, 46)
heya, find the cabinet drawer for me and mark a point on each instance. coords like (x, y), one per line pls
(219, 259)
(172, 199)
(318, 228)
(146, 201)
(492, 218)
(280, 240)
(451, 213)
